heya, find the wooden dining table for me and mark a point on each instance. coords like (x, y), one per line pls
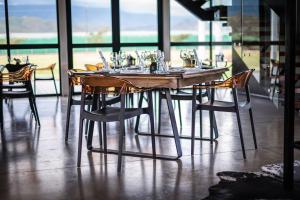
(165, 82)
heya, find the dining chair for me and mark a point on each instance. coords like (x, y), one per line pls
(96, 67)
(99, 87)
(18, 85)
(75, 76)
(45, 69)
(238, 81)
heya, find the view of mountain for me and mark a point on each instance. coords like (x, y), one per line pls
(42, 18)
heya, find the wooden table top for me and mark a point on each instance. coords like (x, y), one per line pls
(172, 80)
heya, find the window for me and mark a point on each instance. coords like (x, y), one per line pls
(138, 21)
(32, 22)
(185, 27)
(91, 21)
(2, 23)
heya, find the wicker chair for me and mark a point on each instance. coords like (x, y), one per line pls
(18, 85)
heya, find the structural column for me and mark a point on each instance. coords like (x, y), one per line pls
(64, 44)
(289, 101)
(164, 41)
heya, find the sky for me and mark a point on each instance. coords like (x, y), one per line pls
(132, 6)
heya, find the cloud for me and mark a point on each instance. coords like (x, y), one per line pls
(31, 2)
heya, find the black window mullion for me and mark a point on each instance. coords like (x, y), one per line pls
(7, 27)
(115, 17)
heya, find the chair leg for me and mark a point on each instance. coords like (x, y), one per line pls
(1, 111)
(121, 138)
(53, 77)
(36, 110)
(151, 116)
(234, 92)
(34, 81)
(193, 129)
(159, 111)
(241, 134)
(105, 137)
(179, 112)
(215, 126)
(32, 107)
(253, 128)
(87, 122)
(100, 133)
(90, 134)
(80, 142)
(211, 118)
(200, 121)
(137, 123)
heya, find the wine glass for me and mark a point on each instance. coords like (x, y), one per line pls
(122, 57)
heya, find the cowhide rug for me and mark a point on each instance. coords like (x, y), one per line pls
(266, 184)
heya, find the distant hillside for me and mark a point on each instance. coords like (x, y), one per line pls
(41, 18)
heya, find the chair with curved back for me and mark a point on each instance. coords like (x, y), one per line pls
(97, 67)
(45, 69)
(18, 85)
(238, 81)
(75, 76)
(99, 87)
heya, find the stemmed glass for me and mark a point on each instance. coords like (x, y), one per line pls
(114, 59)
(122, 57)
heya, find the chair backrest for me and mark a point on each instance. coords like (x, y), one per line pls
(52, 66)
(23, 74)
(239, 80)
(107, 85)
(75, 79)
(90, 67)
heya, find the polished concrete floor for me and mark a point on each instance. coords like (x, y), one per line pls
(36, 163)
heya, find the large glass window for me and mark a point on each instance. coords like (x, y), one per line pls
(138, 21)
(91, 21)
(2, 23)
(185, 27)
(32, 22)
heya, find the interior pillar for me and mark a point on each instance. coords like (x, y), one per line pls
(63, 40)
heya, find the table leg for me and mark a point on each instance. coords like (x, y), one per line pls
(173, 122)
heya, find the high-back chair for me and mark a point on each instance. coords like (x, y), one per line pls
(238, 81)
(49, 68)
(99, 86)
(18, 85)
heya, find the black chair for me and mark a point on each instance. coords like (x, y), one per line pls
(100, 86)
(18, 85)
(75, 76)
(50, 68)
(238, 81)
